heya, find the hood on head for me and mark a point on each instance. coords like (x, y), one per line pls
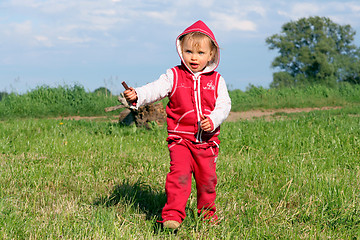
(200, 26)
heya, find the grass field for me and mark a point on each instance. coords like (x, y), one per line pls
(45, 102)
(294, 178)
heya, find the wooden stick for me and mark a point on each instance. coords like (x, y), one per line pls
(109, 109)
(125, 85)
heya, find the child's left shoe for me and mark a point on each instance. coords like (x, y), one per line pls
(171, 224)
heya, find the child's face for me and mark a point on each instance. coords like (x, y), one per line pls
(196, 56)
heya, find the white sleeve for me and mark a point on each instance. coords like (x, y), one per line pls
(222, 105)
(156, 90)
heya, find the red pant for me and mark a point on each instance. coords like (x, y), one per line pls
(187, 159)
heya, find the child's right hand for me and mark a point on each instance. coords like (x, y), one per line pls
(206, 124)
(130, 95)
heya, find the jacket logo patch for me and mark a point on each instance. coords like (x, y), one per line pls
(183, 85)
(210, 86)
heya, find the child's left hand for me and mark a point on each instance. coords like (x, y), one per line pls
(206, 124)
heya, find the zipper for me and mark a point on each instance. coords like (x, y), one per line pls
(198, 106)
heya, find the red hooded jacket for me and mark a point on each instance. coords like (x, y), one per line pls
(193, 95)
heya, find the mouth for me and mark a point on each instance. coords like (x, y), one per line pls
(194, 65)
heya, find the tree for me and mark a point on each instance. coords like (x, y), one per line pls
(102, 91)
(315, 50)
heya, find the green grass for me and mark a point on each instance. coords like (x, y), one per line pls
(62, 101)
(45, 102)
(294, 178)
(310, 96)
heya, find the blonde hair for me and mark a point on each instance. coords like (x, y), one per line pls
(196, 38)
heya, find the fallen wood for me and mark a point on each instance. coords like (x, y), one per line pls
(143, 116)
(150, 113)
(126, 117)
(123, 101)
(123, 104)
(109, 109)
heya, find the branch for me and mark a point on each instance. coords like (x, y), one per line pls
(109, 109)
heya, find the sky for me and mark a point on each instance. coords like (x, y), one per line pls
(100, 43)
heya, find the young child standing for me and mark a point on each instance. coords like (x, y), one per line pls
(198, 104)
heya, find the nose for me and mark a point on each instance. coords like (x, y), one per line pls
(194, 57)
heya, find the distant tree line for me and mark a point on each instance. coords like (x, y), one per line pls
(98, 91)
(315, 50)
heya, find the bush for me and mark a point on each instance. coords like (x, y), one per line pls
(294, 97)
(103, 91)
(45, 101)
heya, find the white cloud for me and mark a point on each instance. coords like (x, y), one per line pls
(22, 28)
(44, 41)
(74, 39)
(341, 12)
(354, 7)
(251, 8)
(227, 22)
(46, 6)
(106, 12)
(259, 10)
(299, 10)
(349, 14)
(303, 9)
(165, 16)
(23, 3)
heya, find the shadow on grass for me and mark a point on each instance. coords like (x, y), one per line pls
(137, 194)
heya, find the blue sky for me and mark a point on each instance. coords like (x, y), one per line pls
(100, 43)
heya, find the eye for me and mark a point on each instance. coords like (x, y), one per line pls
(201, 53)
(188, 51)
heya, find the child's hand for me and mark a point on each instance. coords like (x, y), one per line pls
(130, 95)
(206, 124)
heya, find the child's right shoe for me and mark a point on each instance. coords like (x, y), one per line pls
(171, 224)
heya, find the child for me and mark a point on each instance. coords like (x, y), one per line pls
(198, 104)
